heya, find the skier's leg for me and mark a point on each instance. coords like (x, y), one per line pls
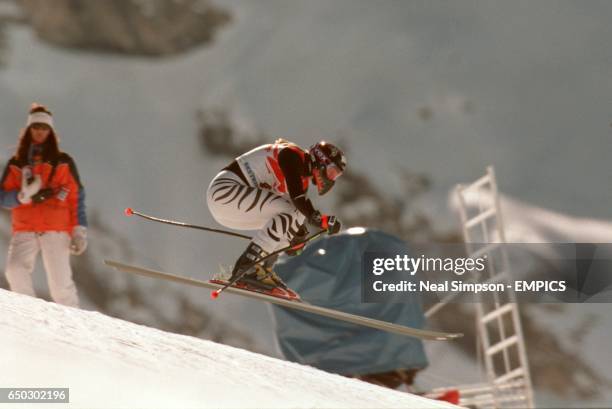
(284, 224)
(236, 205)
(56, 259)
(285, 221)
(20, 261)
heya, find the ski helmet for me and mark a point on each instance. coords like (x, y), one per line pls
(328, 163)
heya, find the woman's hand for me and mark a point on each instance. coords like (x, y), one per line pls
(30, 185)
(79, 240)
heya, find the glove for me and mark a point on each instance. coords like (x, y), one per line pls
(42, 195)
(297, 242)
(79, 240)
(333, 224)
(29, 186)
(326, 222)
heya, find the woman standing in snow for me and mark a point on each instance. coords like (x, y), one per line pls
(41, 185)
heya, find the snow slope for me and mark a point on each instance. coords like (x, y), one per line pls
(107, 362)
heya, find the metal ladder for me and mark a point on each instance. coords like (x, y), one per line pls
(498, 322)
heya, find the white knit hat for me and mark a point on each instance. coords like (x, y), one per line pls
(40, 118)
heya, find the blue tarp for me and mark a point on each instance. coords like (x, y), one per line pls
(328, 274)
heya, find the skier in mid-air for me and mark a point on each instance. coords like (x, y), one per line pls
(265, 189)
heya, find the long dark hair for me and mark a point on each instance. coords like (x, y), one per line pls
(50, 151)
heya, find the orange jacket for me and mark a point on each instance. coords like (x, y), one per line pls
(62, 211)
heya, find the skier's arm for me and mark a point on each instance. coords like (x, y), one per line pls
(76, 197)
(9, 188)
(293, 168)
(8, 199)
(79, 208)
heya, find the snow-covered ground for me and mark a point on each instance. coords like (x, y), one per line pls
(109, 363)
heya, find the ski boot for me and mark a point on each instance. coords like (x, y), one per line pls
(261, 274)
(266, 276)
(260, 277)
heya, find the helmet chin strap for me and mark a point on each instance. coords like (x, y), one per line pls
(323, 184)
(310, 166)
(316, 180)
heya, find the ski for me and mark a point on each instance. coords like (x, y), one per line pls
(278, 292)
(302, 306)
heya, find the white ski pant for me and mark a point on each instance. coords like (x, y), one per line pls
(55, 249)
(236, 205)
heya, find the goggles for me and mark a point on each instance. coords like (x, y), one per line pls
(333, 172)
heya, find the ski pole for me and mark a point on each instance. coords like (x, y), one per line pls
(130, 212)
(217, 292)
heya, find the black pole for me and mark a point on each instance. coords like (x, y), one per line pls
(129, 212)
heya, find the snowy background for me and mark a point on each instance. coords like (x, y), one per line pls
(438, 88)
